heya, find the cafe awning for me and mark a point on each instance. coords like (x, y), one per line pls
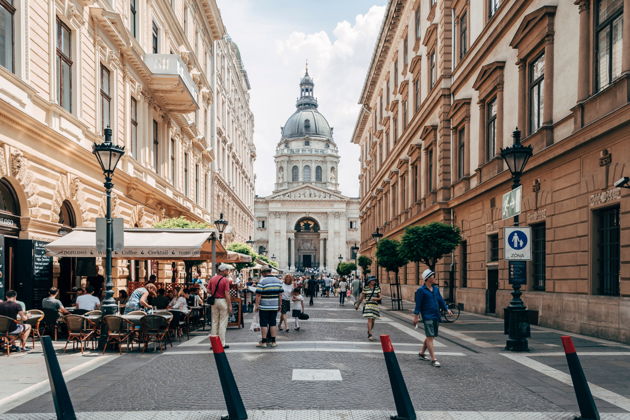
(143, 244)
(235, 257)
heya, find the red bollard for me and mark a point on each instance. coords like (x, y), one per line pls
(404, 406)
(588, 409)
(233, 400)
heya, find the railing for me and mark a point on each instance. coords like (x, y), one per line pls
(305, 150)
(171, 64)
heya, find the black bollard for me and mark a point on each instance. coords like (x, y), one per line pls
(404, 406)
(58, 388)
(588, 409)
(233, 400)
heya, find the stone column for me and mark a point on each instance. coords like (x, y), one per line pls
(584, 50)
(321, 252)
(291, 254)
(283, 256)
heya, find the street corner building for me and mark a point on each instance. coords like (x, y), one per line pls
(306, 223)
(448, 83)
(171, 85)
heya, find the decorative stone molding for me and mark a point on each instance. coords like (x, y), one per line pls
(536, 216)
(604, 197)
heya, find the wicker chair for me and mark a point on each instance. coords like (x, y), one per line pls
(51, 322)
(153, 328)
(136, 313)
(34, 323)
(119, 330)
(80, 330)
(6, 326)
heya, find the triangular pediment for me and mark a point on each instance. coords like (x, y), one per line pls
(307, 192)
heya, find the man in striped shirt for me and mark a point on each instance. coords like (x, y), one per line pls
(268, 301)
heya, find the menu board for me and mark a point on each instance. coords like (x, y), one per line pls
(2, 271)
(42, 271)
(235, 319)
(35, 274)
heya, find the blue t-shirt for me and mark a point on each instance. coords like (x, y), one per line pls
(269, 289)
(428, 303)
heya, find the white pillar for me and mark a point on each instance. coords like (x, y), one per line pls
(321, 252)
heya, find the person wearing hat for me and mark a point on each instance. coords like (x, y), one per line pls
(268, 302)
(372, 296)
(428, 304)
(219, 288)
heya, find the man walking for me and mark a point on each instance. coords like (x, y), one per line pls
(428, 304)
(268, 301)
(219, 288)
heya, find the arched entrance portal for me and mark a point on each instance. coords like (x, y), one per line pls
(9, 232)
(307, 244)
(69, 267)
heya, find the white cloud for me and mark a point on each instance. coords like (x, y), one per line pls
(338, 65)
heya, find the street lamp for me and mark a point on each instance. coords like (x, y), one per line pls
(355, 251)
(516, 324)
(377, 236)
(221, 224)
(108, 155)
(249, 241)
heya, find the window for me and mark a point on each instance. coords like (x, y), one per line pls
(405, 52)
(197, 183)
(396, 73)
(133, 18)
(493, 247)
(7, 12)
(134, 127)
(430, 180)
(172, 174)
(608, 262)
(318, 174)
(307, 142)
(307, 173)
(414, 181)
(493, 6)
(106, 98)
(464, 263)
(462, 24)
(156, 145)
(461, 149)
(387, 91)
(432, 70)
(405, 111)
(155, 38)
(295, 174)
(353, 224)
(416, 94)
(536, 92)
(261, 225)
(207, 189)
(64, 66)
(609, 37)
(491, 129)
(395, 127)
(416, 19)
(186, 182)
(539, 253)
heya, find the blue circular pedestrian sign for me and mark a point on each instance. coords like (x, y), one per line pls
(517, 240)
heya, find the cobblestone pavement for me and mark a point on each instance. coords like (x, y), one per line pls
(477, 379)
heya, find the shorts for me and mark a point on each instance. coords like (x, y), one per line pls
(18, 330)
(286, 306)
(296, 313)
(431, 327)
(268, 318)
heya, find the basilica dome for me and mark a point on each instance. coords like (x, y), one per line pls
(306, 120)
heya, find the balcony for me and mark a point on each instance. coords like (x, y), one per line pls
(306, 150)
(171, 83)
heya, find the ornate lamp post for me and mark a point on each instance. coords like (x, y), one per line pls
(355, 251)
(250, 242)
(108, 155)
(221, 224)
(516, 322)
(377, 236)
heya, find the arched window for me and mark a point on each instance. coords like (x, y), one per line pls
(295, 174)
(307, 173)
(318, 174)
(8, 200)
(67, 219)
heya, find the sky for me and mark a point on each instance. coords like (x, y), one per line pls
(275, 38)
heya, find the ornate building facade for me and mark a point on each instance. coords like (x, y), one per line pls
(306, 222)
(448, 83)
(69, 69)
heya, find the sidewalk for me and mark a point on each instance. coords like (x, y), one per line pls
(24, 375)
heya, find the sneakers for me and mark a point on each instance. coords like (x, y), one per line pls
(297, 329)
(423, 357)
(435, 363)
(273, 344)
(261, 344)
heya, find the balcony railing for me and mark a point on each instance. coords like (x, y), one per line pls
(172, 82)
(305, 151)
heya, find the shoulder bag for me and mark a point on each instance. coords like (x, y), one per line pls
(211, 298)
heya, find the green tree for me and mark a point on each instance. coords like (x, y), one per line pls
(365, 262)
(268, 260)
(389, 256)
(346, 268)
(242, 248)
(428, 243)
(183, 223)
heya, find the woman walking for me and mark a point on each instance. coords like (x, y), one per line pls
(372, 296)
(287, 289)
(343, 288)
